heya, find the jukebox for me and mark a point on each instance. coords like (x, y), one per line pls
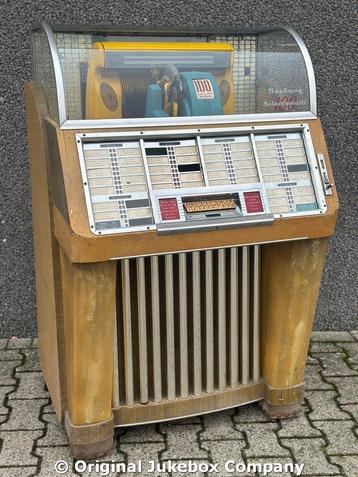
(182, 201)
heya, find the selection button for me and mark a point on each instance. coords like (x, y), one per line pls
(253, 202)
(169, 209)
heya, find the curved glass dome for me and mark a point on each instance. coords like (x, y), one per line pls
(99, 76)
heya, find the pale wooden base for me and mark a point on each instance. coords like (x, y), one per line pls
(284, 396)
(283, 402)
(89, 441)
(282, 411)
(178, 408)
(95, 440)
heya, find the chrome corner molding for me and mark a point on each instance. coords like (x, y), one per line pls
(309, 68)
(60, 91)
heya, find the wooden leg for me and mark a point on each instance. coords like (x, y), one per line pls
(291, 274)
(89, 314)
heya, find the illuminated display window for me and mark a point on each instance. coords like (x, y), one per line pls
(116, 75)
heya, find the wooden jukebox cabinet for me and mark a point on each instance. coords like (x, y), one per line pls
(182, 202)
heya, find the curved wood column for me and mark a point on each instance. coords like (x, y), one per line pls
(89, 317)
(291, 275)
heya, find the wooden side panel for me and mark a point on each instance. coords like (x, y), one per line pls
(49, 307)
(89, 316)
(291, 275)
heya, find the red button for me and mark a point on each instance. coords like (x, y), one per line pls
(253, 202)
(169, 209)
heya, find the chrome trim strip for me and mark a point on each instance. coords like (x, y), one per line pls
(309, 68)
(197, 121)
(314, 170)
(60, 90)
(146, 167)
(134, 135)
(85, 183)
(219, 224)
(202, 161)
(256, 157)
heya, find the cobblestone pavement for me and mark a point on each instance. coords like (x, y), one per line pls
(323, 436)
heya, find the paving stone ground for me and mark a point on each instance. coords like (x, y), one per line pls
(324, 437)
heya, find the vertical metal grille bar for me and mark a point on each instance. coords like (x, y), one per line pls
(209, 307)
(115, 367)
(183, 317)
(127, 332)
(245, 315)
(196, 324)
(142, 328)
(234, 319)
(157, 374)
(222, 318)
(256, 314)
(169, 306)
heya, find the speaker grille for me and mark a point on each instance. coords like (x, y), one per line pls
(187, 324)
